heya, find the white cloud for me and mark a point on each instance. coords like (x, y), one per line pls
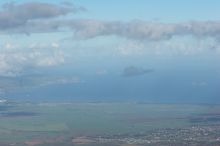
(131, 48)
(13, 15)
(15, 62)
(9, 46)
(174, 46)
(58, 81)
(55, 45)
(50, 61)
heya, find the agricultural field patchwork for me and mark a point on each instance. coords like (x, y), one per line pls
(104, 123)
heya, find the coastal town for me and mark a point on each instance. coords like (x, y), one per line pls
(195, 135)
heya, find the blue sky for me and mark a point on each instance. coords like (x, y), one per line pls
(153, 10)
(150, 50)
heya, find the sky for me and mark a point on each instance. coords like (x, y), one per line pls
(128, 50)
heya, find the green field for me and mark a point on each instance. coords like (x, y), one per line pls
(23, 122)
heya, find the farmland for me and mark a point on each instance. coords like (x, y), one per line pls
(100, 123)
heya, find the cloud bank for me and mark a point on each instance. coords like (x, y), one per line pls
(42, 17)
(142, 30)
(137, 30)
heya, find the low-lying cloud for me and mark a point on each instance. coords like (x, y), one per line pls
(135, 71)
(34, 81)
